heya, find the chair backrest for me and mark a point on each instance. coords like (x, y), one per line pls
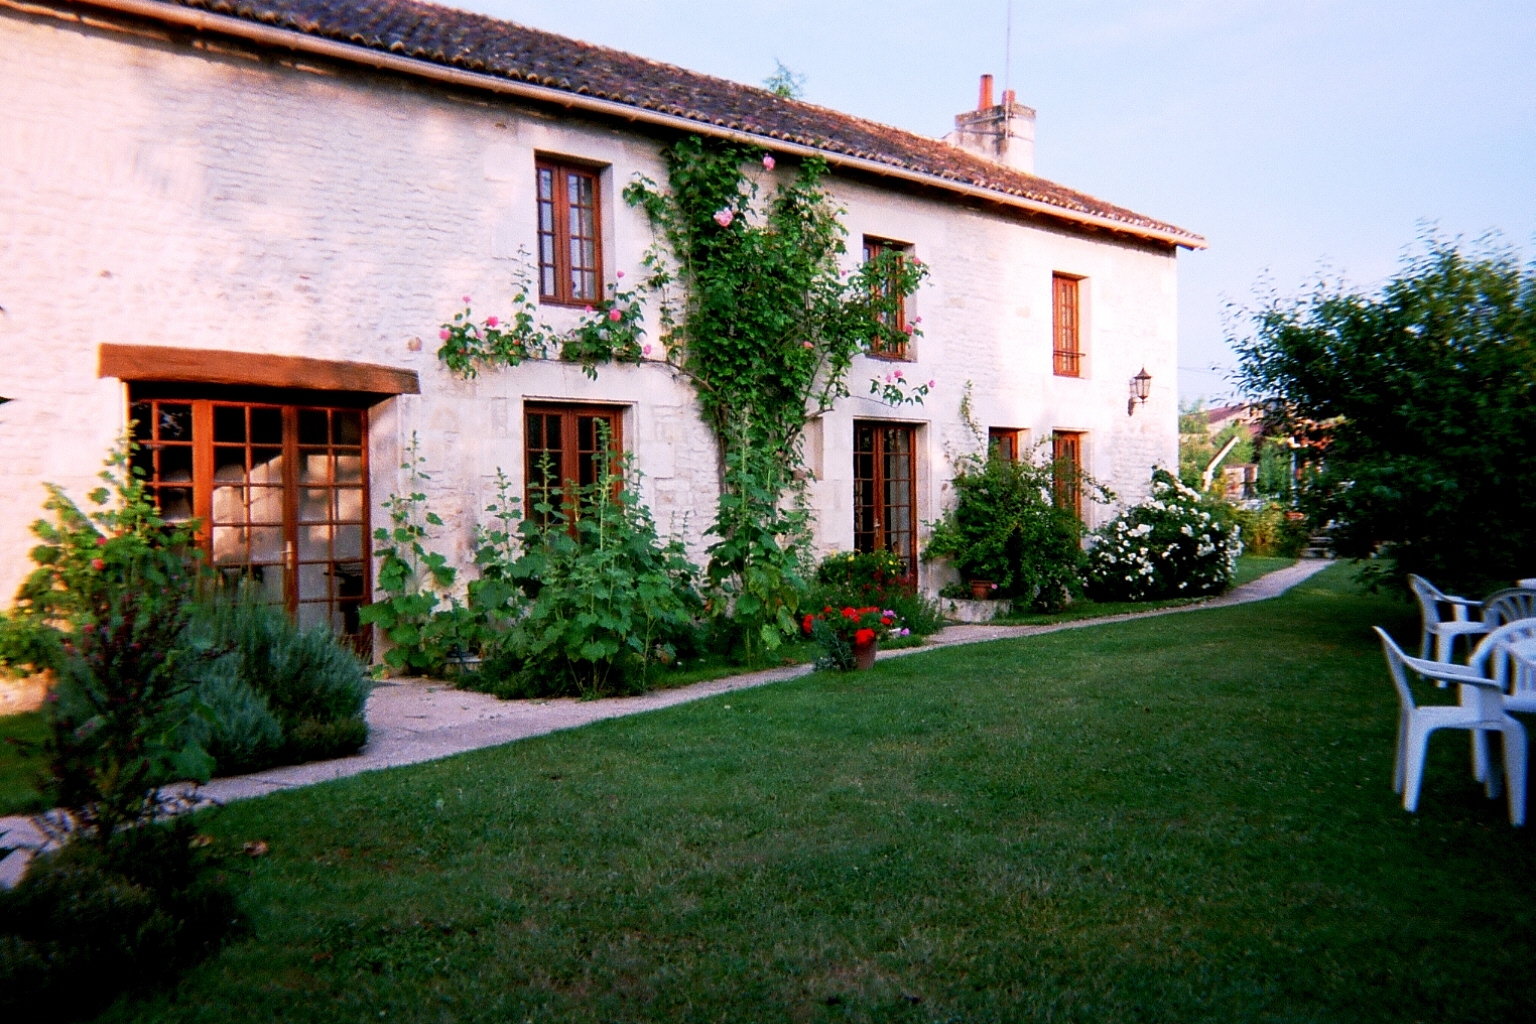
(1396, 663)
(1491, 657)
(1510, 606)
(1429, 597)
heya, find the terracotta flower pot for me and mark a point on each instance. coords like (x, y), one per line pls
(864, 655)
(982, 590)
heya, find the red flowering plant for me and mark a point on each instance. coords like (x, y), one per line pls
(842, 632)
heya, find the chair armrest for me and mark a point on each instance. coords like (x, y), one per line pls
(1447, 672)
(1467, 601)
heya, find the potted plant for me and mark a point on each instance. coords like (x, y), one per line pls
(850, 637)
(982, 590)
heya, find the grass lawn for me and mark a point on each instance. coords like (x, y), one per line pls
(21, 739)
(1175, 819)
(1249, 568)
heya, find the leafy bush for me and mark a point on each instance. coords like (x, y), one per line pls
(1007, 528)
(277, 694)
(28, 646)
(1176, 544)
(607, 601)
(1413, 408)
(91, 921)
(1270, 531)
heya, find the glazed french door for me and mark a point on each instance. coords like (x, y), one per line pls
(885, 489)
(562, 446)
(1067, 462)
(281, 490)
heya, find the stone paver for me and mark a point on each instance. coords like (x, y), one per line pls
(415, 720)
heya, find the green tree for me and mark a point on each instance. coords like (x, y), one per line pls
(1418, 409)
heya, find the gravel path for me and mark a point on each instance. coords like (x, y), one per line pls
(415, 720)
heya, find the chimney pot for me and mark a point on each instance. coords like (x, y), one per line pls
(986, 93)
(1008, 98)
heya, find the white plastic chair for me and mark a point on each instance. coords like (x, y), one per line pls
(1444, 631)
(1509, 606)
(1508, 656)
(1481, 710)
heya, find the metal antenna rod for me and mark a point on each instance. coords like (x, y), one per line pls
(1008, 51)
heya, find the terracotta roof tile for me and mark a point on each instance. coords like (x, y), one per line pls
(443, 35)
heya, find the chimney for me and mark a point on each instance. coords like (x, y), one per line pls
(1003, 133)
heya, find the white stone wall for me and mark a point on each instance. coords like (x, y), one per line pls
(153, 193)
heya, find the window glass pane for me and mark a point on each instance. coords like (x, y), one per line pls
(229, 424)
(266, 543)
(348, 426)
(349, 542)
(143, 416)
(313, 428)
(266, 466)
(266, 425)
(546, 184)
(314, 504)
(174, 422)
(229, 463)
(314, 542)
(176, 464)
(349, 469)
(229, 545)
(176, 504)
(314, 582)
(349, 578)
(349, 504)
(267, 505)
(315, 614)
(228, 504)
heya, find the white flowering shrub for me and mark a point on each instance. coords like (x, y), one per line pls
(1176, 544)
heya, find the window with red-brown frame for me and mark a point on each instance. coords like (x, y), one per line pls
(1067, 463)
(570, 233)
(279, 481)
(893, 342)
(562, 446)
(885, 489)
(1005, 443)
(1066, 326)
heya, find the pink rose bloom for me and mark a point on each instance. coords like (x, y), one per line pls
(909, 328)
(466, 300)
(615, 315)
(491, 321)
(768, 161)
(101, 542)
(588, 309)
(917, 319)
(898, 375)
(443, 334)
(98, 564)
(930, 384)
(807, 344)
(620, 273)
(646, 350)
(724, 217)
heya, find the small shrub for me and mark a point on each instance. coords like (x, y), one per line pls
(1176, 544)
(1007, 528)
(1269, 531)
(91, 921)
(277, 694)
(28, 646)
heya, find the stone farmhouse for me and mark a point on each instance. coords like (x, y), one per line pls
(241, 223)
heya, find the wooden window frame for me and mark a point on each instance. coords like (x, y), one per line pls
(559, 204)
(1067, 469)
(203, 401)
(899, 347)
(1006, 442)
(570, 454)
(878, 539)
(1066, 325)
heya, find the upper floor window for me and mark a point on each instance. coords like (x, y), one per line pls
(892, 341)
(1066, 324)
(570, 246)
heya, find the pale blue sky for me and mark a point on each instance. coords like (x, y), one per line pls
(1294, 135)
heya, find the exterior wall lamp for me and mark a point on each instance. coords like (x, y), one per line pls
(1141, 387)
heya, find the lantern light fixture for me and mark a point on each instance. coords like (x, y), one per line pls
(1141, 387)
